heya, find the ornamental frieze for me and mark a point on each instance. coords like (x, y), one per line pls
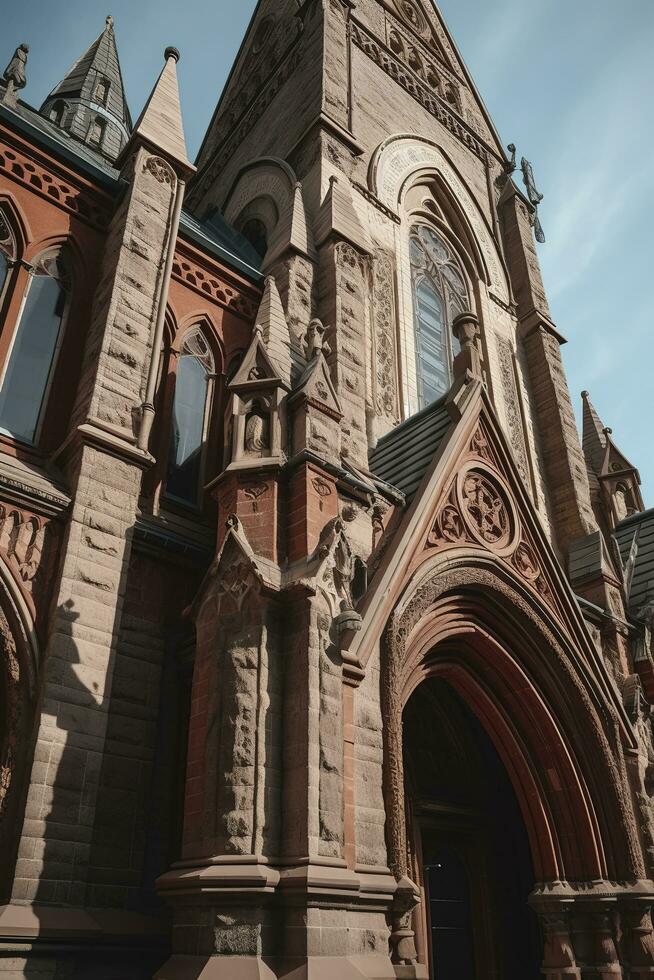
(478, 510)
(216, 289)
(25, 545)
(48, 185)
(411, 83)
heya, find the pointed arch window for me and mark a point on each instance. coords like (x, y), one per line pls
(190, 420)
(439, 295)
(7, 252)
(29, 368)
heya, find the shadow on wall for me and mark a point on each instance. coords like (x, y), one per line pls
(82, 800)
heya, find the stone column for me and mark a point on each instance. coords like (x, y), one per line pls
(103, 466)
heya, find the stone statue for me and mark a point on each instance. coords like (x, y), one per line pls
(256, 434)
(535, 197)
(14, 74)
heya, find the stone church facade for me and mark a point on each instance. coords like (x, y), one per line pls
(325, 641)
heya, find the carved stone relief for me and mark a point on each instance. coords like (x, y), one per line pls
(478, 510)
(421, 91)
(513, 417)
(10, 724)
(384, 337)
(162, 172)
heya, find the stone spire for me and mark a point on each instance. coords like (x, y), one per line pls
(89, 102)
(613, 478)
(593, 439)
(160, 124)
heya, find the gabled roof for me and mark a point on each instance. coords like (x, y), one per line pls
(640, 526)
(402, 457)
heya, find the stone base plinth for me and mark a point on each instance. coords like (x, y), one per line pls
(215, 968)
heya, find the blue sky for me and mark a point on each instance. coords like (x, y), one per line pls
(571, 83)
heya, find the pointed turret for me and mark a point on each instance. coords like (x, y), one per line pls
(613, 479)
(593, 439)
(160, 125)
(89, 102)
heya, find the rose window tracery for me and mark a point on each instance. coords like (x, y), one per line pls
(486, 509)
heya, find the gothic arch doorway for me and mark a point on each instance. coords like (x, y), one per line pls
(467, 843)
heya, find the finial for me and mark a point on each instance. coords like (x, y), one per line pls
(171, 53)
(110, 22)
(14, 74)
(333, 180)
(607, 431)
(511, 165)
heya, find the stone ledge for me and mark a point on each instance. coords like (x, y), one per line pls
(26, 923)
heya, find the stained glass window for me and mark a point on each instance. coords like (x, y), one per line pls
(35, 344)
(439, 295)
(189, 421)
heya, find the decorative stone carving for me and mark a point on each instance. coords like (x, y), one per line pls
(323, 489)
(384, 333)
(162, 172)
(9, 744)
(208, 286)
(397, 663)
(94, 208)
(14, 74)
(22, 542)
(400, 156)
(254, 492)
(486, 509)
(512, 407)
(420, 91)
(257, 434)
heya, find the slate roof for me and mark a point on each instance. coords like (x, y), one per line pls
(215, 236)
(643, 526)
(402, 457)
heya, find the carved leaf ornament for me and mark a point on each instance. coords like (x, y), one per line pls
(478, 510)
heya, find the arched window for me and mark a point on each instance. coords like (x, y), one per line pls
(439, 295)
(29, 368)
(7, 252)
(191, 404)
(257, 234)
(57, 112)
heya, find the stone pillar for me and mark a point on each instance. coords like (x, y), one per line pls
(567, 477)
(103, 465)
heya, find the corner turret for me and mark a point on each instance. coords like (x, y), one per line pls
(89, 102)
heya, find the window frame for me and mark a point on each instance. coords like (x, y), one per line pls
(169, 498)
(57, 253)
(419, 274)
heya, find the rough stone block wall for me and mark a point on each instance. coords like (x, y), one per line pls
(137, 830)
(369, 755)
(61, 805)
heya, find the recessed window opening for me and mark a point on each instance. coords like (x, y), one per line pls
(439, 295)
(190, 420)
(29, 369)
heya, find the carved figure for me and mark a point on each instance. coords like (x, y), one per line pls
(256, 434)
(14, 74)
(535, 197)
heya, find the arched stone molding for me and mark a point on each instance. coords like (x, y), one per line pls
(470, 624)
(16, 219)
(19, 659)
(398, 159)
(270, 181)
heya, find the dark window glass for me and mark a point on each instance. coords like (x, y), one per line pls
(255, 232)
(439, 295)
(28, 371)
(189, 419)
(450, 915)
